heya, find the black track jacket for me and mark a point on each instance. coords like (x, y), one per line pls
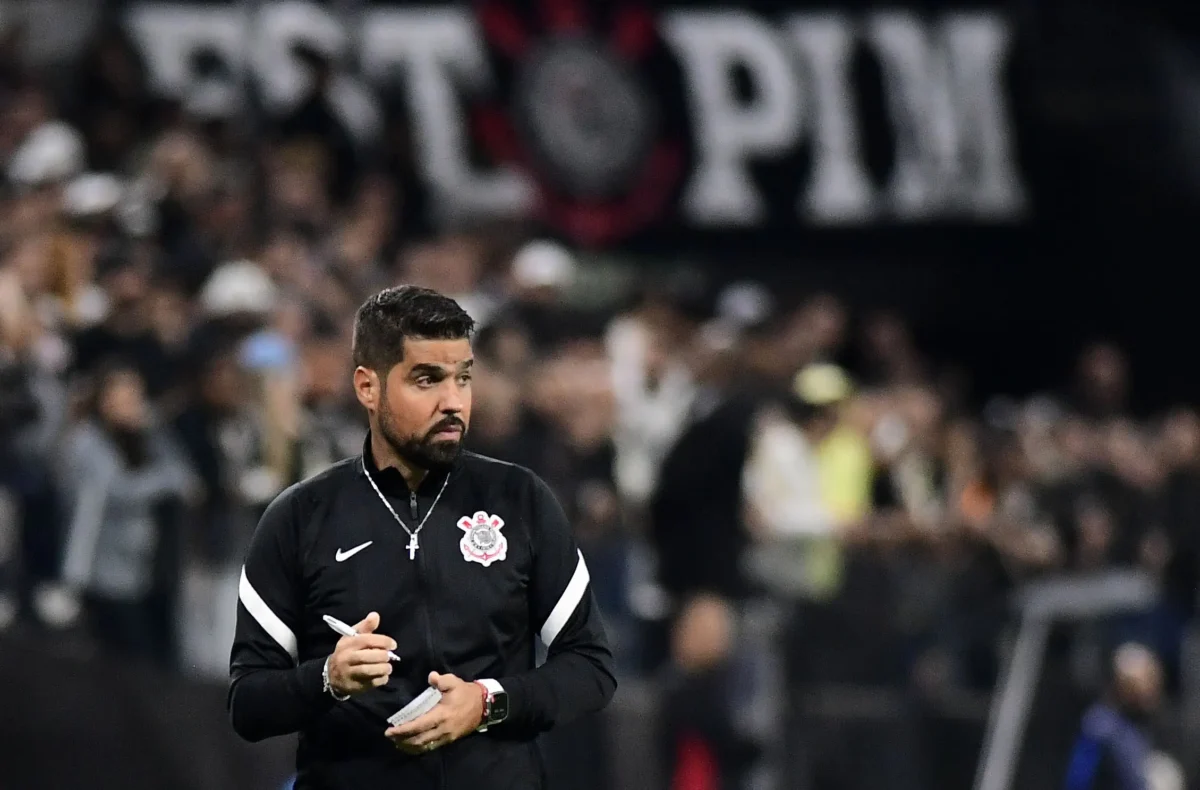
(328, 545)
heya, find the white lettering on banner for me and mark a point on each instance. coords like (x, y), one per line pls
(953, 148)
(169, 34)
(440, 54)
(839, 189)
(943, 83)
(279, 26)
(283, 80)
(730, 131)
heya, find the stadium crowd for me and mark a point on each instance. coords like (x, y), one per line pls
(176, 299)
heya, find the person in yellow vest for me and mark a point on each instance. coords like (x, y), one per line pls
(807, 480)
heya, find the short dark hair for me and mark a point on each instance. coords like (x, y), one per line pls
(385, 320)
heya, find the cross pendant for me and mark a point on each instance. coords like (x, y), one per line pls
(412, 547)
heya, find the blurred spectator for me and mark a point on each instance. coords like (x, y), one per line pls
(26, 512)
(128, 328)
(1179, 439)
(110, 98)
(1115, 748)
(818, 331)
(701, 542)
(806, 481)
(1102, 383)
(889, 355)
(332, 419)
(540, 276)
(315, 120)
(453, 266)
(710, 456)
(47, 150)
(573, 397)
(1000, 533)
(501, 424)
(654, 388)
(225, 433)
(120, 468)
(33, 411)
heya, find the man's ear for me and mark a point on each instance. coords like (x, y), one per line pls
(367, 387)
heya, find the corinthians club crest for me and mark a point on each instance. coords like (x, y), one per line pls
(582, 107)
(483, 542)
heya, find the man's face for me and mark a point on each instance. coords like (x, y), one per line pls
(424, 403)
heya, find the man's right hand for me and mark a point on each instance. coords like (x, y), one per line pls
(360, 663)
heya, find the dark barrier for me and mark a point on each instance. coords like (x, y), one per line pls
(67, 722)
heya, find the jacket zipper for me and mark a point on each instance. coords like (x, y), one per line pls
(426, 622)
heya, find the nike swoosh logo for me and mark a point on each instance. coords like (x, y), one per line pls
(342, 556)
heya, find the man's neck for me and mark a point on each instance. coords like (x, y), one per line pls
(385, 456)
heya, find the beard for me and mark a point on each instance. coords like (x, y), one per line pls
(422, 451)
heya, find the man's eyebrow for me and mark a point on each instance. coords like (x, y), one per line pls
(427, 369)
(467, 363)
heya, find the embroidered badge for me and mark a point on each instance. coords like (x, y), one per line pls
(483, 542)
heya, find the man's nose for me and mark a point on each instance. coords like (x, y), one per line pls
(452, 401)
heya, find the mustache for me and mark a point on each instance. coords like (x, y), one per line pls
(448, 424)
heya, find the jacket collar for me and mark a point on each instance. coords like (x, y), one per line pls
(390, 479)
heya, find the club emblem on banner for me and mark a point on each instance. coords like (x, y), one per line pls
(483, 542)
(582, 112)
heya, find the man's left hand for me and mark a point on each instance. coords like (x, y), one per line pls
(459, 713)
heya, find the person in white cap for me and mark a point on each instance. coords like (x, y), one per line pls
(541, 274)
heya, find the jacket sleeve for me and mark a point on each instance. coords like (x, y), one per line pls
(577, 677)
(88, 478)
(269, 692)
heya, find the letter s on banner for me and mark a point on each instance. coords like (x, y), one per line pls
(277, 29)
(282, 25)
(730, 131)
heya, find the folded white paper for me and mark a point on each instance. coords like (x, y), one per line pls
(424, 703)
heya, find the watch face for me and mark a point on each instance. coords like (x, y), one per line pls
(499, 711)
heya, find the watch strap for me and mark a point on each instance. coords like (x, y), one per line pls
(490, 689)
(327, 686)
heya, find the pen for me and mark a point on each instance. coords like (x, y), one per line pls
(345, 630)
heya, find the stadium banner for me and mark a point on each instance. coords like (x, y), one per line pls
(612, 121)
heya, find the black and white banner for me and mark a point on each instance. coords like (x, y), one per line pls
(612, 120)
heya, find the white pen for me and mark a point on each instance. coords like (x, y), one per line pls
(346, 630)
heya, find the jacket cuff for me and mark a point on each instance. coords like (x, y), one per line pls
(493, 686)
(312, 684)
(518, 700)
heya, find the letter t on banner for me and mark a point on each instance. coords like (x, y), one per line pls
(438, 51)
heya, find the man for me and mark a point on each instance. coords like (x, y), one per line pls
(1115, 747)
(451, 560)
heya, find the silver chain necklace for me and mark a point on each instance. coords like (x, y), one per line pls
(413, 543)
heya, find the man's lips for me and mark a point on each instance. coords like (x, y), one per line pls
(448, 432)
